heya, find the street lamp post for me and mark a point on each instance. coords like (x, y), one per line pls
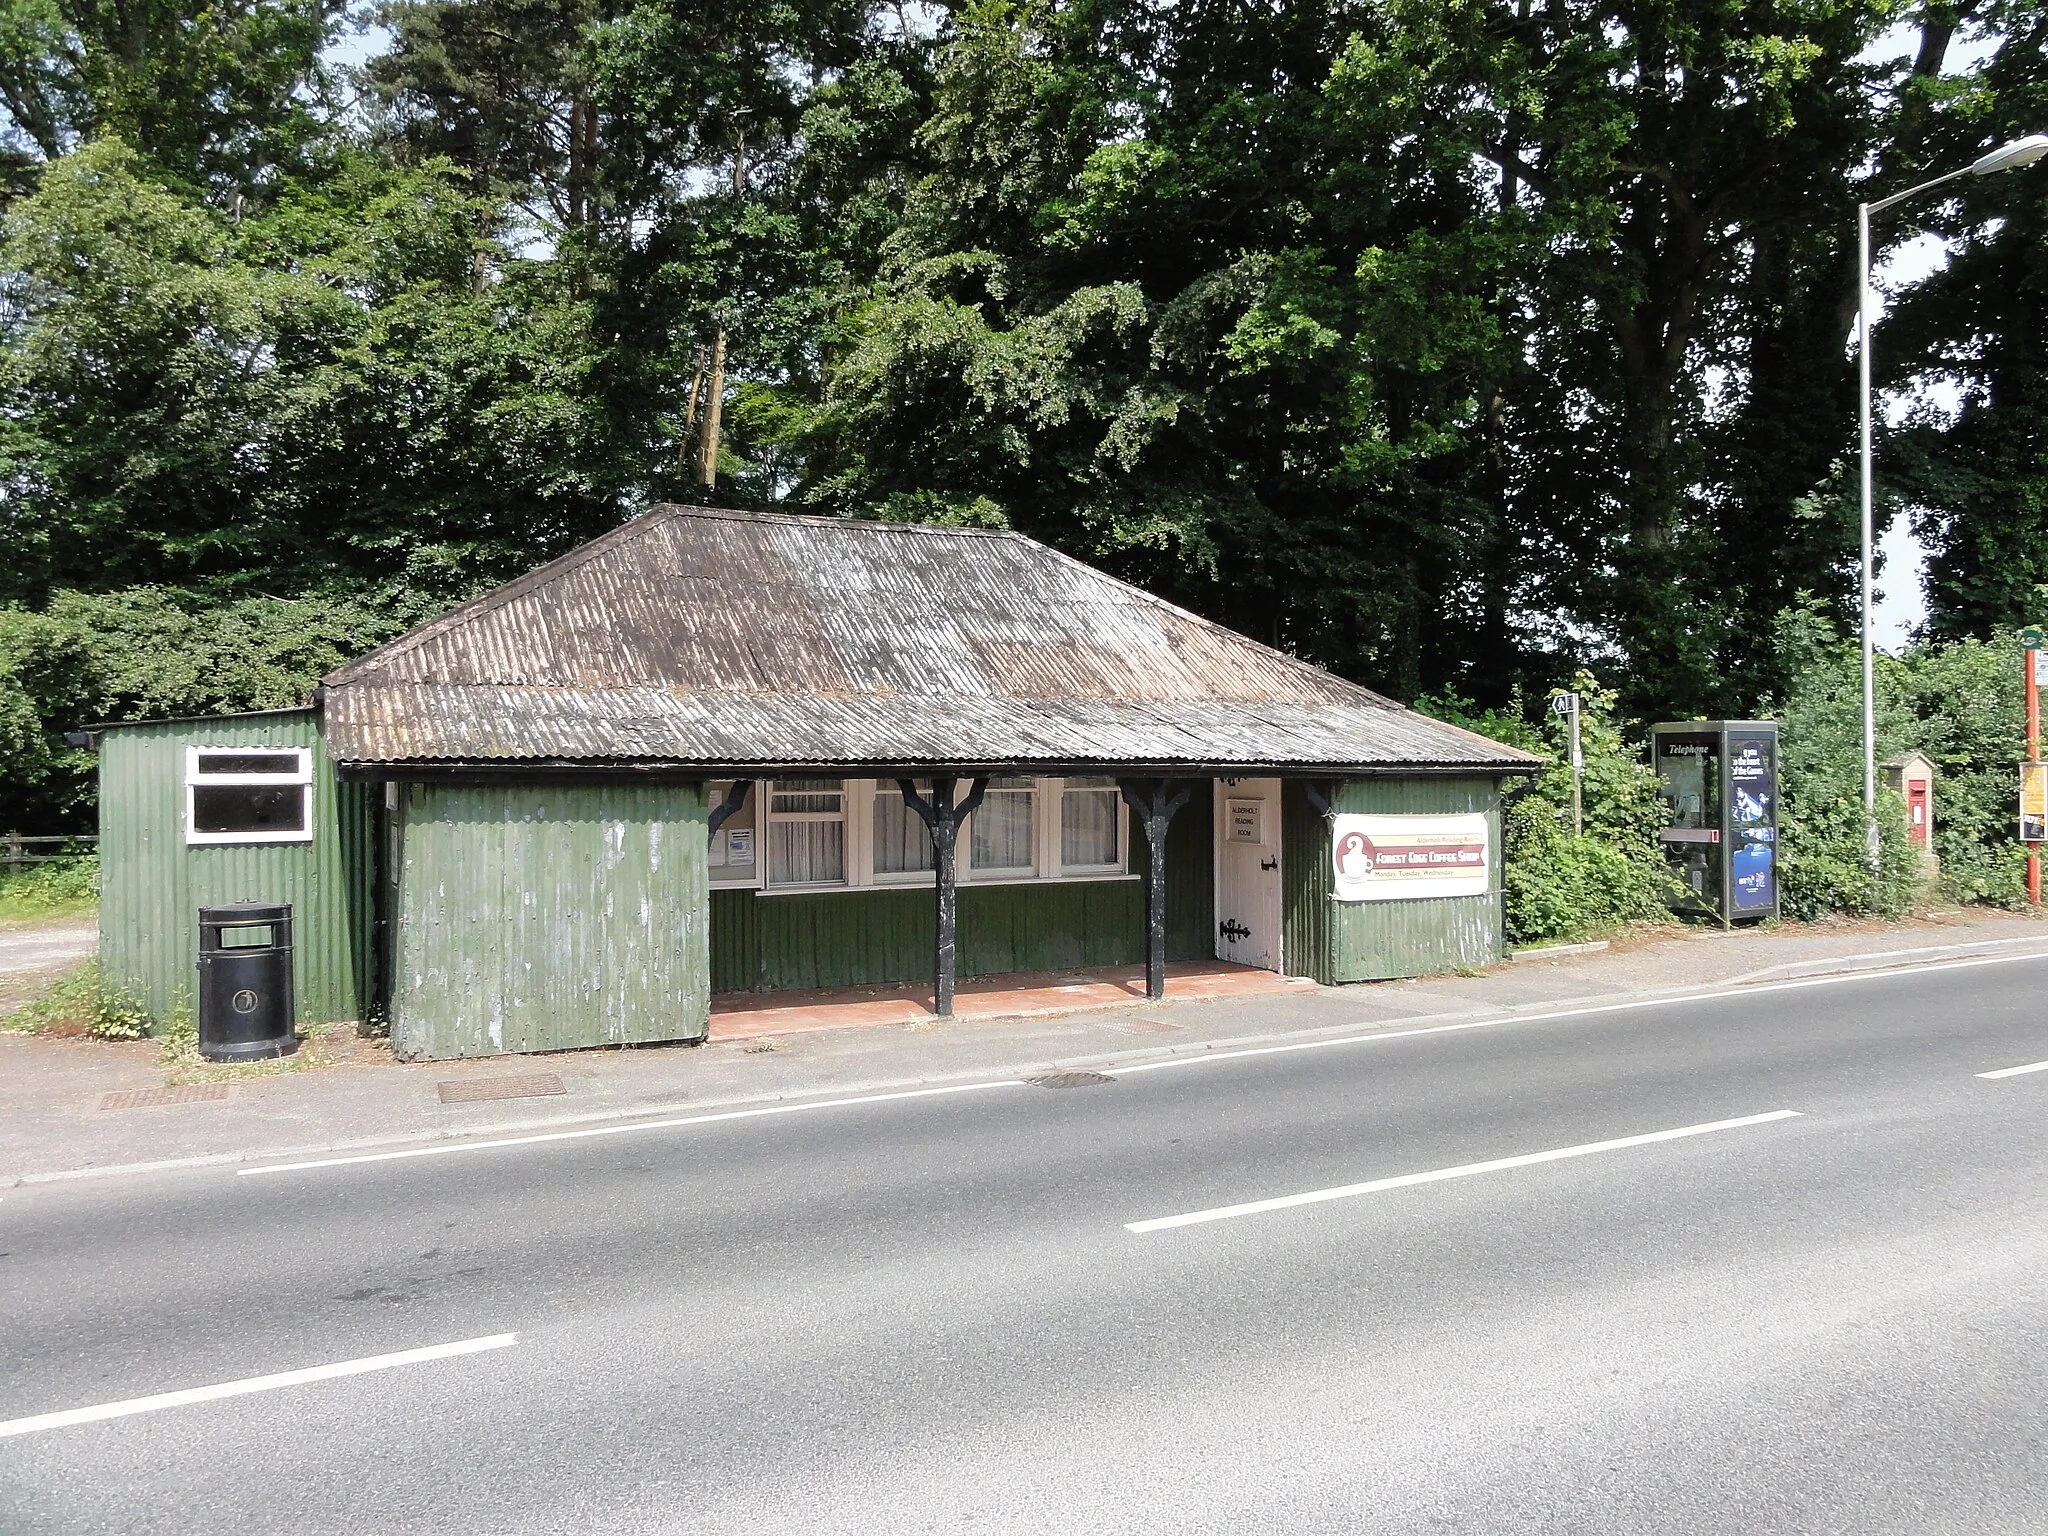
(2019, 152)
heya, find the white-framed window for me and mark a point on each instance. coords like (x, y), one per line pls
(1091, 826)
(902, 842)
(854, 834)
(1002, 832)
(735, 854)
(248, 795)
(806, 832)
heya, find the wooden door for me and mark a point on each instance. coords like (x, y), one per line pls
(1248, 872)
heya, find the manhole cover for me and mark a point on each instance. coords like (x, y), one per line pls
(469, 1091)
(144, 1098)
(1069, 1080)
(1135, 1026)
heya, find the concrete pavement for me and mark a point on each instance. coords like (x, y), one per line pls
(930, 1313)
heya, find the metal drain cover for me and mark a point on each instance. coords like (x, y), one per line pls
(1069, 1080)
(143, 1098)
(472, 1090)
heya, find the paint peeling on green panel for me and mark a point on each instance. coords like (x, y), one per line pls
(547, 917)
(152, 884)
(1339, 941)
(871, 936)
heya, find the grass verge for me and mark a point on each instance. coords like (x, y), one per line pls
(67, 888)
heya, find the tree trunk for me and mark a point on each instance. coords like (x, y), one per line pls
(689, 434)
(714, 402)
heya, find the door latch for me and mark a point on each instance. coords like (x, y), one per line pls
(1269, 863)
(1233, 930)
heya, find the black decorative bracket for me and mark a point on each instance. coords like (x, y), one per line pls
(1154, 802)
(735, 797)
(942, 817)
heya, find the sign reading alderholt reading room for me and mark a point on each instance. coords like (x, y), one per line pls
(1396, 858)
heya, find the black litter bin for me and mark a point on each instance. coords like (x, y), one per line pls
(245, 983)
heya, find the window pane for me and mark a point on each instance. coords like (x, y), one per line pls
(814, 796)
(249, 762)
(1087, 825)
(732, 845)
(807, 853)
(902, 845)
(249, 808)
(1002, 827)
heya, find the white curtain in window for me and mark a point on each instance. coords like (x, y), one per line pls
(1002, 826)
(807, 833)
(1088, 824)
(902, 845)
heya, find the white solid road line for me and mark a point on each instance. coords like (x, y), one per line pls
(120, 1410)
(623, 1130)
(1712, 995)
(2032, 1066)
(1462, 1171)
(1204, 1058)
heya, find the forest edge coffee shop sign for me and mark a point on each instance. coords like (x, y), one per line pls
(1397, 857)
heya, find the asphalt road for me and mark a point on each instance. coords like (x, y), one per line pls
(931, 1313)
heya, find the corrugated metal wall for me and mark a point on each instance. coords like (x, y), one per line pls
(152, 884)
(1190, 879)
(869, 937)
(1338, 941)
(543, 917)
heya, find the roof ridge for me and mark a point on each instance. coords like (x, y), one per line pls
(497, 597)
(831, 520)
(1322, 673)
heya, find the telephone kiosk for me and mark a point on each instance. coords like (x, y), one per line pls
(1719, 780)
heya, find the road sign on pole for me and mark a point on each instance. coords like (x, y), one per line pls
(1567, 705)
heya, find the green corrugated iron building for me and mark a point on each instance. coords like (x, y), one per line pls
(158, 868)
(718, 752)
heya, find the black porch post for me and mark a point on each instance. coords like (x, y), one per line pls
(1153, 802)
(942, 819)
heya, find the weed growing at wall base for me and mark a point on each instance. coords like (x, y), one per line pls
(82, 1004)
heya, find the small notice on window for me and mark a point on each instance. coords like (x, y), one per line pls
(1398, 858)
(1245, 821)
(739, 845)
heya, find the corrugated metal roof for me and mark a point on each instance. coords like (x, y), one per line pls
(698, 637)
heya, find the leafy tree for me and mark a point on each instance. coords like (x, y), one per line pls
(502, 89)
(220, 95)
(146, 652)
(314, 396)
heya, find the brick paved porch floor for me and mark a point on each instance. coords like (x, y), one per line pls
(1023, 995)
